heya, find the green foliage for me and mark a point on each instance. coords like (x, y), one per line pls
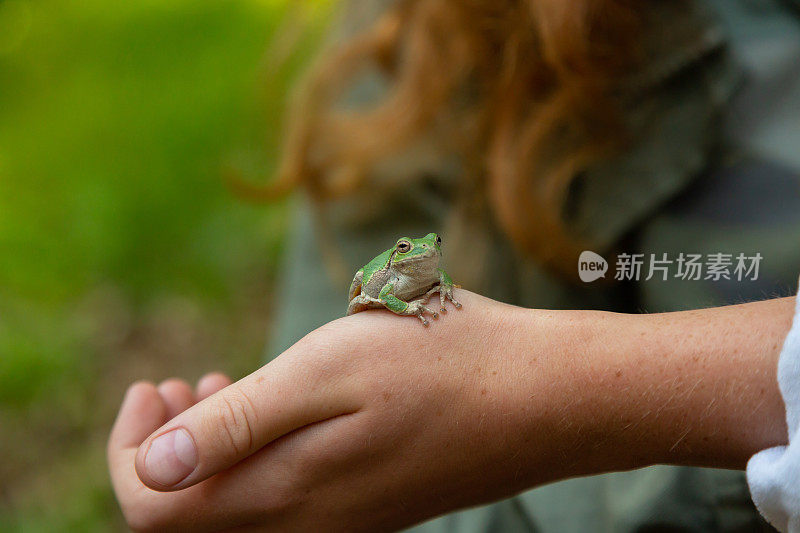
(116, 120)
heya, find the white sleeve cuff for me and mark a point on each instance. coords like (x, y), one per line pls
(774, 474)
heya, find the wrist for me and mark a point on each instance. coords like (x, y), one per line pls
(589, 392)
(571, 391)
(694, 388)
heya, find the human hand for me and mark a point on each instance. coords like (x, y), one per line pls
(370, 422)
(373, 422)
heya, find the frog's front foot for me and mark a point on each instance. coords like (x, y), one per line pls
(417, 308)
(445, 293)
(448, 293)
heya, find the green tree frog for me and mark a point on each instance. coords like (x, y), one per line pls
(402, 279)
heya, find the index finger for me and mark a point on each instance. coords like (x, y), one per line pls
(237, 421)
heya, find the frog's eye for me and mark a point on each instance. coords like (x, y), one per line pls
(403, 246)
(438, 240)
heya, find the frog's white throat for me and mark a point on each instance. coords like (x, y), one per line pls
(421, 266)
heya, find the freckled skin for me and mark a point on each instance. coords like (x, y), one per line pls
(402, 279)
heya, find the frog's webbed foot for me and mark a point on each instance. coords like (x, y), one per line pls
(436, 288)
(445, 290)
(418, 308)
(415, 308)
(396, 305)
(446, 293)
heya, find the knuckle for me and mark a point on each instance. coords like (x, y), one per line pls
(316, 355)
(282, 499)
(238, 418)
(141, 385)
(295, 488)
(174, 384)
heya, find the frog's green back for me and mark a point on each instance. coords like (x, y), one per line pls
(376, 264)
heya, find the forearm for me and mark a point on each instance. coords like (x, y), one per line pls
(690, 388)
(488, 401)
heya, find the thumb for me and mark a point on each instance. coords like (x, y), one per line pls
(237, 421)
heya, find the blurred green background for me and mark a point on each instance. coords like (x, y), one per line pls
(123, 255)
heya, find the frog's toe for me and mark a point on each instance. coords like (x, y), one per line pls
(423, 309)
(443, 309)
(448, 295)
(424, 320)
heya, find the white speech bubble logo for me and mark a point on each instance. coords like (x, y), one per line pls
(591, 266)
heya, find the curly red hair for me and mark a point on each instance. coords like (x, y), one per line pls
(539, 78)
